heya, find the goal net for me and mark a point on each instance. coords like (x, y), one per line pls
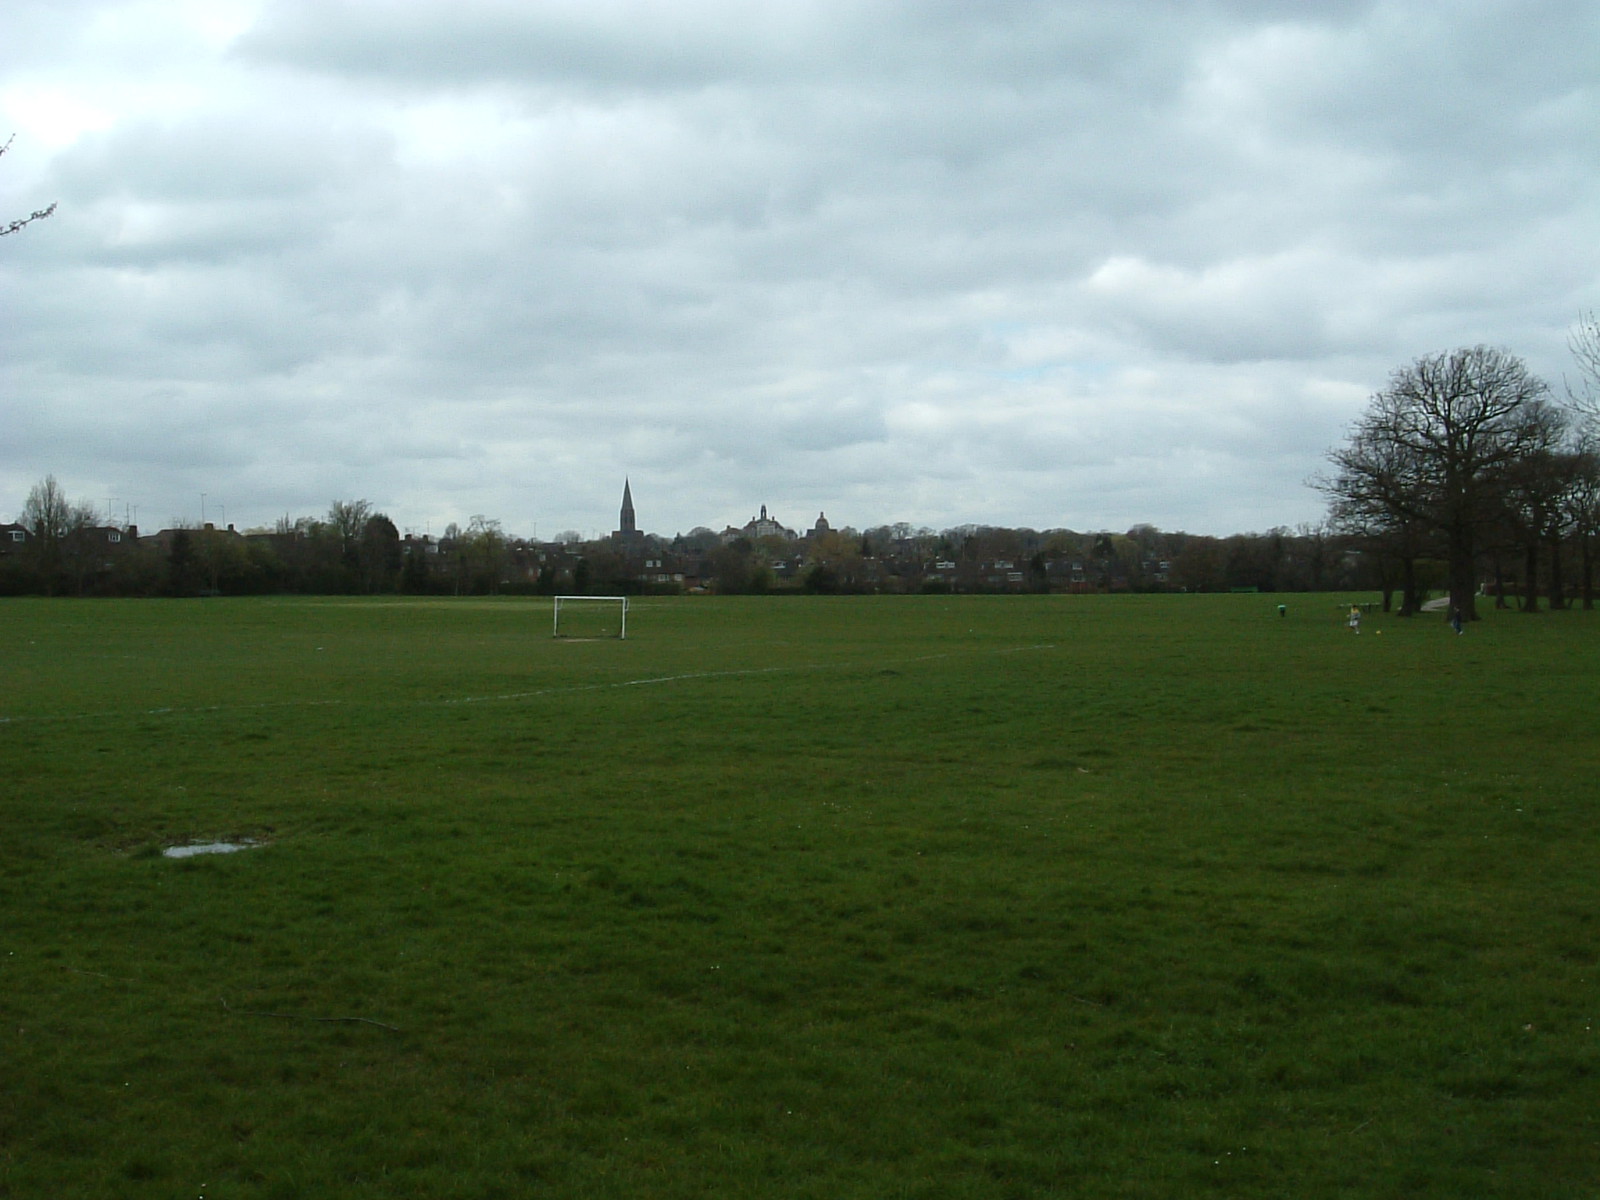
(590, 617)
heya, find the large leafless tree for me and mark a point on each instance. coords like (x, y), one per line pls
(1378, 498)
(1436, 447)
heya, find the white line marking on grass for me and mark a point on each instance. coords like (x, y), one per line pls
(506, 697)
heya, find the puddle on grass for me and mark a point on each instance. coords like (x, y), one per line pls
(207, 848)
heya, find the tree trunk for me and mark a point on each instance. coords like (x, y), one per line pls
(1587, 564)
(1530, 573)
(1410, 601)
(1558, 590)
(1463, 586)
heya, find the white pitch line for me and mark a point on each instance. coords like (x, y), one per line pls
(504, 697)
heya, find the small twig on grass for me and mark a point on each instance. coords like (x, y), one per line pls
(1081, 1000)
(249, 1012)
(1362, 1126)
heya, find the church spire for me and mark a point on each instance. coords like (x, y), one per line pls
(629, 524)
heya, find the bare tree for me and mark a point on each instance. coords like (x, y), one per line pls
(481, 554)
(1584, 342)
(349, 518)
(1583, 512)
(47, 513)
(1452, 425)
(1535, 488)
(1380, 498)
(10, 227)
(55, 524)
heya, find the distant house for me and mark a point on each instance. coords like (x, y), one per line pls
(92, 537)
(662, 572)
(165, 537)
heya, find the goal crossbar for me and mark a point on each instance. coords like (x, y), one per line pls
(621, 601)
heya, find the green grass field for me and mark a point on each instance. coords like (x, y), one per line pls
(918, 897)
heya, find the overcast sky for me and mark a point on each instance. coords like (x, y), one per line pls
(1082, 264)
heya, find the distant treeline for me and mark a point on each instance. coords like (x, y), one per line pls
(64, 548)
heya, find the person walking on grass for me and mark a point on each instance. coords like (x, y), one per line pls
(1355, 618)
(1455, 621)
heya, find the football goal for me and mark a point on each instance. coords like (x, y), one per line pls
(590, 617)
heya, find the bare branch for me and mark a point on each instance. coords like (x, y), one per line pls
(1583, 340)
(37, 215)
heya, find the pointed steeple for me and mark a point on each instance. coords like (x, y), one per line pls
(629, 524)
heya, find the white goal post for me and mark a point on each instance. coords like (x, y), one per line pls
(620, 601)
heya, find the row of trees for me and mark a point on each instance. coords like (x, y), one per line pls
(997, 558)
(1467, 458)
(71, 549)
(353, 548)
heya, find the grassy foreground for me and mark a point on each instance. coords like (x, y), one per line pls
(920, 897)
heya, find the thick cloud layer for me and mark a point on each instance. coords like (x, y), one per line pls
(1017, 263)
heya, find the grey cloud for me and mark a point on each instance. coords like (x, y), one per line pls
(212, 158)
(584, 45)
(43, 31)
(1025, 262)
